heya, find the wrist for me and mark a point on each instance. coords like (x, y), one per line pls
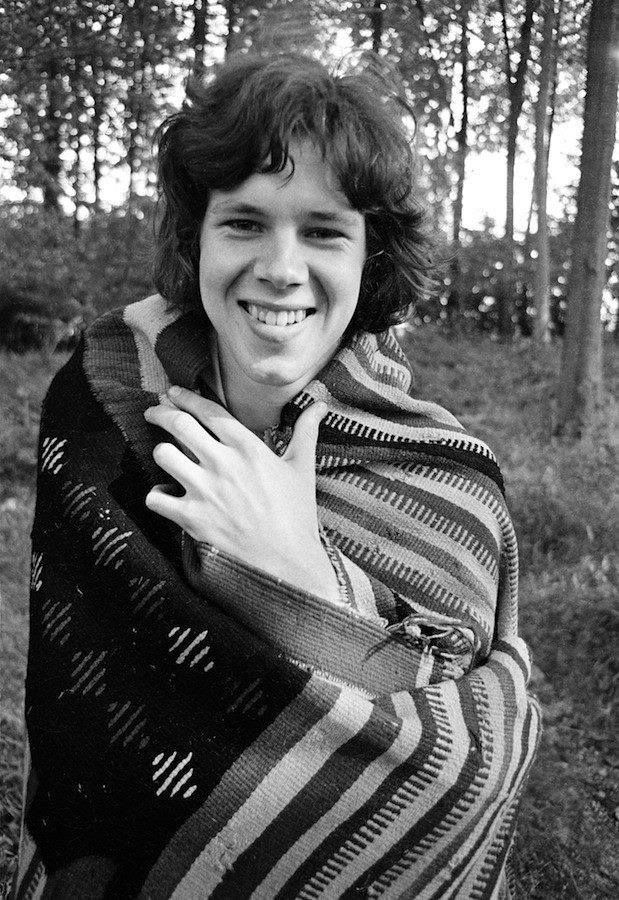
(311, 571)
(324, 576)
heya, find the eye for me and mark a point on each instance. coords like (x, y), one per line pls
(246, 226)
(325, 234)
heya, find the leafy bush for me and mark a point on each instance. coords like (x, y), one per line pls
(483, 276)
(105, 264)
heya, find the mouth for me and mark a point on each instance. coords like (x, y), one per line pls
(281, 317)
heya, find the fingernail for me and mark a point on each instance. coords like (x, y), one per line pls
(174, 391)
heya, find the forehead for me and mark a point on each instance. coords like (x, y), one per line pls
(308, 187)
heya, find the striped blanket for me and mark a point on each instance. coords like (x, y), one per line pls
(198, 728)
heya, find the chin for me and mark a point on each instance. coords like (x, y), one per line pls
(280, 379)
(281, 376)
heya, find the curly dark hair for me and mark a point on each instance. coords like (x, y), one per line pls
(243, 121)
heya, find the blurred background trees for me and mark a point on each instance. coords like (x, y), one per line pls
(499, 90)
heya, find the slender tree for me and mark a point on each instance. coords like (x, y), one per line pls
(440, 83)
(138, 71)
(95, 128)
(515, 88)
(198, 38)
(541, 278)
(462, 133)
(377, 17)
(516, 79)
(581, 368)
(232, 16)
(52, 146)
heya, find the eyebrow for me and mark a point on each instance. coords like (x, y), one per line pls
(318, 215)
(345, 216)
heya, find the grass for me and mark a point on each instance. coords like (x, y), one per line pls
(561, 500)
(23, 382)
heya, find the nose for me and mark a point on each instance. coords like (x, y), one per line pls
(281, 261)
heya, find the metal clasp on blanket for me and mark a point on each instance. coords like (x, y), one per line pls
(446, 638)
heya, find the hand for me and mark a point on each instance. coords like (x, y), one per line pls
(239, 495)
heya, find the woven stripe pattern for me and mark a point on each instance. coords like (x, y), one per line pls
(199, 728)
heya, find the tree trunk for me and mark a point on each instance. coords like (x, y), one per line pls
(462, 135)
(51, 163)
(377, 18)
(77, 185)
(515, 89)
(541, 277)
(581, 366)
(555, 66)
(97, 106)
(526, 244)
(139, 82)
(441, 83)
(232, 17)
(131, 125)
(77, 166)
(199, 36)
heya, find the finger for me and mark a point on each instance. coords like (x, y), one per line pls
(195, 440)
(302, 447)
(169, 487)
(162, 501)
(175, 463)
(213, 417)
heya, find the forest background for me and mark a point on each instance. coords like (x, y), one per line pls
(512, 107)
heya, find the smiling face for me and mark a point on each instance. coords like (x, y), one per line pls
(281, 259)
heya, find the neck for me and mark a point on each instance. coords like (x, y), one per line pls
(257, 410)
(258, 417)
(257, 406)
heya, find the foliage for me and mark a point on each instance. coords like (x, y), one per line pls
(107, 264)
(82, 76)
(86, 83)
(474, 278)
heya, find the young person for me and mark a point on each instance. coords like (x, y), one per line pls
(274, 645)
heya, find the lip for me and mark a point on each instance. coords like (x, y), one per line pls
(272, 331)
(274, 307)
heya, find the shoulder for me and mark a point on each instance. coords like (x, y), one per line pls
(146, 318)
(374, 375)
(111, 360)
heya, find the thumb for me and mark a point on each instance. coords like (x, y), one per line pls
(302, 447)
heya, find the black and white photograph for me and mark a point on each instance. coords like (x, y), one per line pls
(309, 320)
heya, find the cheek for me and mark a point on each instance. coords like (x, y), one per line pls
(214, 278)
(347, 291)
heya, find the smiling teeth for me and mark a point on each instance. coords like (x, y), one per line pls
(270, 317)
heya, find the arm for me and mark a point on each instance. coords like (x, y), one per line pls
(241, 497)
